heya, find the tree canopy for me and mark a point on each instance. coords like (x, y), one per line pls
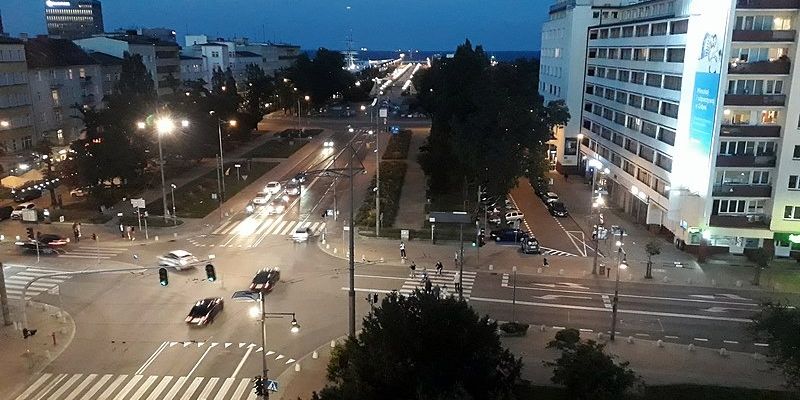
(422, 347)
(319, 78)
(778, 325)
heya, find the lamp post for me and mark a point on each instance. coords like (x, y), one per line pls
(221, 176)
(623, 264)
(172, 188)
(164, 125)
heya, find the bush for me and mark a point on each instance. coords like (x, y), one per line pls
(513, 328)
(392, 176)
(397, 148)
(298, 134)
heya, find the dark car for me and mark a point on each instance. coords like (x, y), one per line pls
(266, 279)
(27, 194)
(5, 212)
(530, 245)
(53, 240)
(204, 311)
(557, 209)
(508, 235)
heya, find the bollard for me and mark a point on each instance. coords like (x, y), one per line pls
(738, 283)
(691, 346)
(315, 355)
(630, 339)
(297, 367)
(491, 267)
(175, 234)
(561, 271)
(333, 343)
(723, 352)
(543, 328)
(381, 259)
(660, 343)
(335, 250)
(54, 338)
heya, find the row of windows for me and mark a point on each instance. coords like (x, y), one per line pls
(552, 52)
(747, 148)
(755, 86)
(549, 88)
(663, 107)
(17, 122)
(750, 117)
(763, 23)
(734, 206)
(550, 70)
(56, 74)
(631, 168)
(742, 177)
(13, 78)
(649, 11)
(671, 82)
(657, 54)
(678, 27)
(636, 124)
(14, 99)
(632, 146)
(25, 143)
(12, 55)
(756, 54)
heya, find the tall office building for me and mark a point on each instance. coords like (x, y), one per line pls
(73, 19)
(692, 107)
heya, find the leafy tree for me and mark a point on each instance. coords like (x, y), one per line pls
(778, 325)
(587, 372)
(422, 347)
(652, 248)
(761, 257)
(320, 78)
(260, 90)
(46, 151)
(217, 81)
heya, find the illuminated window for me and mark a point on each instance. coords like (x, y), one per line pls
(769, 116)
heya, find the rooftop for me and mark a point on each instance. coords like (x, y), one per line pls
(247, 54)
(45, 52)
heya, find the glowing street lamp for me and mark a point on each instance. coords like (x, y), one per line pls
(164, 125)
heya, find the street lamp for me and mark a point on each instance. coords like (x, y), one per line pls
(623, 264)
(597, 203)
(172, 188)
(5, 124)
(164, 125)
(220, 176)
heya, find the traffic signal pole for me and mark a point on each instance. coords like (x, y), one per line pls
(264, 370)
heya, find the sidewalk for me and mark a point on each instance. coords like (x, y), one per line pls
(411, 211)
(24, 358)
(312, 376)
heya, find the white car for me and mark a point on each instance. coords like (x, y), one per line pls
(18, 209)
(301, 235)
(514, 216)
(273, 187)
(550, 197)
(78, 192)
(261, 198)
(178, 259)
(276, 206)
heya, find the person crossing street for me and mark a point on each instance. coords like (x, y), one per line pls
(439, 267)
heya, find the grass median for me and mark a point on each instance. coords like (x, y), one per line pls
(397, 148)
(280, 148)
(193, 200)
(392, 175)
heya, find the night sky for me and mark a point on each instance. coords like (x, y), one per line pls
(376, 24)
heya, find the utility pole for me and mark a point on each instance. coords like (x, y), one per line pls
(352, 267)
(621, 264)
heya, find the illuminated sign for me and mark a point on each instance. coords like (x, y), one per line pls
(50, 3)
(794, 239)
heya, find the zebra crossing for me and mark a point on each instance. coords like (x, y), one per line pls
(93, 252)
(268, 226)
(16, 282)
(553, 252)
(53, 386)
(446, 281)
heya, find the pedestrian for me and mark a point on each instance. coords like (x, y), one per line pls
(608, 272)
(545, 263)
(455, 259)
(439, 267)
(428, 285)
(133, 233)
(437, 291)
(402, 250)
(424, 273)
(129, 232)
(79, 231)
(457, 282)
(122, 231)
(413, 268)
(75, 231)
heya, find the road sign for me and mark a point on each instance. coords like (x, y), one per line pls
(394, 129)
(404, 234)
(138, 203)
(383, 113)
(272, 386)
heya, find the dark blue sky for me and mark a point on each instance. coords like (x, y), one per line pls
(377, 24)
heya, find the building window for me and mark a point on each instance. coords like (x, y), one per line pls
(794, 182)
(791, 212)
(669, 109)
(635, 101)
(626, 54)
(656, 55)
(654, 80)
(769, 116)
(732, 206)
(796, 153)
(642, 30)
(672, 82)
(675, 55)
(643, 176)
(756, 206)
(627, 31)
(664, 162)
(56, 99)
(667, 136)
(651, 104)
(659, 29)
(637, 77)
(679, 27)
(761, 177)
(639, 54)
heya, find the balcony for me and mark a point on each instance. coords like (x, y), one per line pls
(763, 36)
(753, 221)
(742, 190)
(778, 67)
(771, 100)
(764, 161)
(768, 4)
(750, 131)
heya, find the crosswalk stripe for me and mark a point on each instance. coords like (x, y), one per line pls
(105, 395)
(207, 390)
(224, 389)
(241, 388)
(291, 227)
(81, 386)
(174, 390)
(35, 285)
(97, 386)
(314, 227)
(192, 388)
(127, 388)
(222, 228)
(279, 224)
(32, 388)
(142, 389)
(252, 395)
(160, 388)
(63, 388)
(264, 225)
(50, 386)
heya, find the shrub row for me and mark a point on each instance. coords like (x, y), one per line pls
(392, 175)
(397, 148)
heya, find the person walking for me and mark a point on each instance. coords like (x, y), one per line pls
(402, 250)
(439, 267)
(437, 291)
(75, 231)
(457, 282)
(428, 285)
(413, 269)
(122, 231)
(79, 231)
(455, 259)
(545, 264)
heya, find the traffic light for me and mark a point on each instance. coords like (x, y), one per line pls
(29, 233)
(26, 333)
(210, 273)
(258, 385)
(162, 276)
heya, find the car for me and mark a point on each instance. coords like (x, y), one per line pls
(276, 206)
(261, 198)
(301, 235)
(79, 192)
(265, 279)
(292, 188)
(178, 259)
(328, 144)
(550, 197)
(530, 245)
(557, 209)
(26, 194)
(301, 177)
(18, 209)
(508, 235)
(273, 187)
(5, 212)
(204, 311)
(514, 215)
(33, 245)
(53, 240)
(250, 208)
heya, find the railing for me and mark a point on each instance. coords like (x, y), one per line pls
(750, 131)
(755, 221)
(760, 67)
(742, 190)
(755, 100)
(745, 161)
(763, 36)
(768, 4)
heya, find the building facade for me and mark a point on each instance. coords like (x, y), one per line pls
(110, 69)
(16, 124)
(692, 106)
(72, 19)
(62, 78)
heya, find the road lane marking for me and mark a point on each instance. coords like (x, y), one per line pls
(97, 386)
(557, 296)
(111, 388)
(634, 312)
(366, 290)
(81, 386)
(152, 358)
(241, 388)
(201, 358)
(207, 390)
(699, 339)
(128, 387)
(761, 344)
(63, 388)
(585, 330)
(730, 342)
(550, 287)
(142, 389)
(641, 334)
(244, 358)
(607, 301)
(174, 389)
(160, 388)
(670, 337)
(381, 277)
(192, 388)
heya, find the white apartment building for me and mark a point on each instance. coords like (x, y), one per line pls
(16, 125)
(692, 107)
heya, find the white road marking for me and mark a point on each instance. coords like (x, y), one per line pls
(152, 358)
(550, 287)
(241, 388)
(207, 390)
(244, 358)
(32, 388)
(81, 386)
(174, 390)
(761, 344)
(160, 388)
(730, 342)
(192, 388)
(107, 393)
(63, 388)
(128, 387)
(670, 337)
(223, 390)
(97, 386)
(699, 339)
(200, 360)
(142, 389)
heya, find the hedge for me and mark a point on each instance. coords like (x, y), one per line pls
(392, 175)
(397, 148)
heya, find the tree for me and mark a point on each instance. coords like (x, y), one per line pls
(652, 248)
(777, 325)
(46, 151)
(587, 372)
(761, 257)
(422, 347)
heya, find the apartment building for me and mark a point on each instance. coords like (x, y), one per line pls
(16, 125)
(74, 18)
(692, 107)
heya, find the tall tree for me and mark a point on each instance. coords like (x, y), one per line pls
(422, 347)
(778, 325)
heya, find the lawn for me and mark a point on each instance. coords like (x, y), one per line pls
(282, 148)
(193, 200)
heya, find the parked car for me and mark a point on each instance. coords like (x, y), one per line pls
(550, 197)
(266, 279)
(261, 198)
(204, 311)
(508, 235)
(5, 212)
(273, 187)
(276, 206)
(301, 235)
(27, 194)
(514, 215)
(530, 245)
(18, 209)
(557, 209)
(178, 259)
(79, 192)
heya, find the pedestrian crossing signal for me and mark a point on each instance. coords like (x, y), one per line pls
(210, 273)
(162, 276)
(258, 385)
